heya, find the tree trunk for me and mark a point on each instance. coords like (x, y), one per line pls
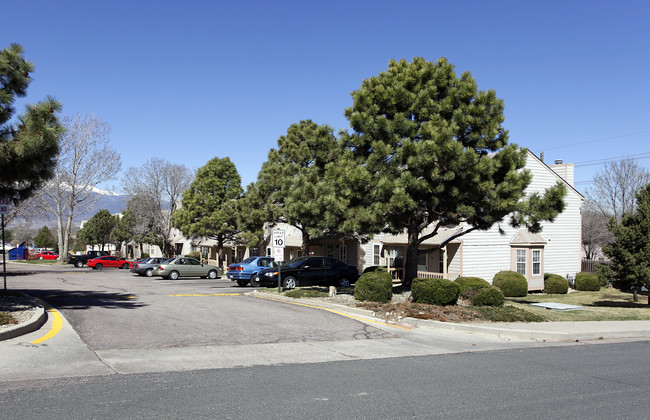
(220, 252)
(63, 253)
(411, 266)
(635, 295)
(305, 242)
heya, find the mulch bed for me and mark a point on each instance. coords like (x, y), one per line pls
(397, 311)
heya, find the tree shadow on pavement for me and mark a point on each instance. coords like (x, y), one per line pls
(76, 300)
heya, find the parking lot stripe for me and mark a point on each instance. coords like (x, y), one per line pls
(337, 312)
(206, 294)
(57, 323)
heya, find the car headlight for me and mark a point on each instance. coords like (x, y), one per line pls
(271, 274)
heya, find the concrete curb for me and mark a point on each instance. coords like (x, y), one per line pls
(35, 322)
(522, 334)
(546, 331)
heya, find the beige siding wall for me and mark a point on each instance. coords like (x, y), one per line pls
(562, 253)
(485, 253)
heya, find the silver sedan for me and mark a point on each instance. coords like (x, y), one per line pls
(186, 267)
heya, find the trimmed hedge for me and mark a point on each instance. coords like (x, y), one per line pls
(491, 296)
(435, 291)
(376, 286)
(511, 283)
(194, 254)
(587, 281)
(475, 283)
(554, 284)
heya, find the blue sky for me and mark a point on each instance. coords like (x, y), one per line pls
(191, 80)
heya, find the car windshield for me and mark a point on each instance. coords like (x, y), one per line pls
(248, 260)
(295, 263)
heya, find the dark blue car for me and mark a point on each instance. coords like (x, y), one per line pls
(245, 271)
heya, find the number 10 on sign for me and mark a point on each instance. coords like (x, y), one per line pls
(278, 239)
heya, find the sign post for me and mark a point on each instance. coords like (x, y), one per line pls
(4, 209)
(278, 249)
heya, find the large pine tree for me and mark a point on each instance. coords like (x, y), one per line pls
(208, 207)
(28, 147)
(292, 185)
(428, 149)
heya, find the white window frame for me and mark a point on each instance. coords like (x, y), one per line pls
(537, 262)
(520, 256)
(376, 254)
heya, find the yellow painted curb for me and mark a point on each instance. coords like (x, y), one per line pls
(336, 312)
(57, 323)
(208, 294)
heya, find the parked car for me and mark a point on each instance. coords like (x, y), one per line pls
(80, 260)
(186, 267)
(47, 255)
(145, 266)
(245, 271)
(310, 270)
(108, 261)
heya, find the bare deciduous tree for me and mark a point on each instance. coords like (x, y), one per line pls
(594, 230)
(615, 187)
(156, 189)
(85, 160)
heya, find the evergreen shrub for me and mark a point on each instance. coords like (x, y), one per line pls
(554, 284)
(376, 286)
(490, 296)
(607, 276)
(469, 284)
(587, 281)
(511, 283)
(435, 291)
(194, 254)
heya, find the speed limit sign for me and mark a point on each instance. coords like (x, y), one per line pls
(278, 238)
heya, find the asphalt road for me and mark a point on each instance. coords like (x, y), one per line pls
(604, 381)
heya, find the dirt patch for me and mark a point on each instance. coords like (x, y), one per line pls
(395, 311)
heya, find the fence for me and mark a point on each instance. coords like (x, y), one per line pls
(589, 266)
(397, 274)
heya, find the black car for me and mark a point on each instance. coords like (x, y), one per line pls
(310, 270)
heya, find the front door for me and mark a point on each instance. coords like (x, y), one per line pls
(422, 262)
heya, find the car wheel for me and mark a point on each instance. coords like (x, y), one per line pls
(173, 275)
(98, 266)
(78, 264)
(125, 266)
(290, 282)
(242, 283)
(254, 282)
(212, 274)
(148, 272)
(344, 282)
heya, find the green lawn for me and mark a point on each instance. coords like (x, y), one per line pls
(605, 305)
(37, 261)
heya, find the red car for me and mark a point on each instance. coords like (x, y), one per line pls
(47, 255)
(106, 261)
